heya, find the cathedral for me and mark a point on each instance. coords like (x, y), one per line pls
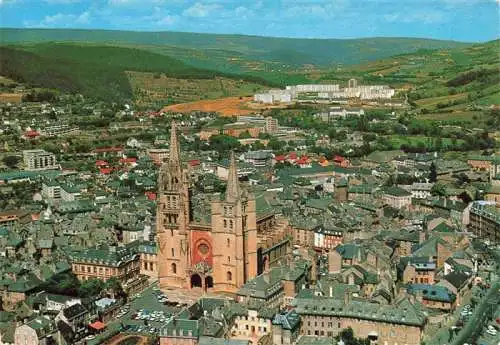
(236, 245)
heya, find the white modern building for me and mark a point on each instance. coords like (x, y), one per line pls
(39, 160)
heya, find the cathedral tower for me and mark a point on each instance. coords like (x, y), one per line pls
(234, 234)
(172, 219)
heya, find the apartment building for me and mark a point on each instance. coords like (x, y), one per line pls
(39, 160)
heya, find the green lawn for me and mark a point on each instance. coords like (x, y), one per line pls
(454, 116)
(398, 140)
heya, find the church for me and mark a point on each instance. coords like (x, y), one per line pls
(240, 240)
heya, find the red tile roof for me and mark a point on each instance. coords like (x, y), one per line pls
(97, 325)
(31, 134)
(128, 160)
(101, 163)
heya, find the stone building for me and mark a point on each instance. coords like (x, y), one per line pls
(35, 332)
(399, 323)
(105, 263)
(222, 251)
(397, 197)
(286, 328)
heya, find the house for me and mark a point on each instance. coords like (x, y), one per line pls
(434, 296)
(341, 161)
(251, 322)
(418, 190)
(285, 327)
(35, 332)
(76, 317)
(458, 283)
(55, 302)
(419, 271)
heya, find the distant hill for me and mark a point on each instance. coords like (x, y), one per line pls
(96, 71)
(444, 83)
(239, 51)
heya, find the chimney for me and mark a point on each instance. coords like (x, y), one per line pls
(347, 298)
(421, 237)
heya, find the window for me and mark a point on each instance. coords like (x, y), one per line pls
(174, 268)
(230, 224)
(228, 259)
(229, 276)
(225, 223)
(228, 243)
(173, 252)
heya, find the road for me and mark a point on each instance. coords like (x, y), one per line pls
(483, 312)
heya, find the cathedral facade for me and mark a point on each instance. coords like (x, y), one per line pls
(220, 256)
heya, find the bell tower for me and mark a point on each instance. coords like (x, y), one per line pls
(172, 219)
(234, 234)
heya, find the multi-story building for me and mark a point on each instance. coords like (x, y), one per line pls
(53, 131)
(158, 155)
(39, 160)
(105, 263)
(237, 128)
(419, 271)
(12, 217)
(396, 197)
(484, 220)
(286, 327)
(222, 251)
(51, 190)
(399, 323)
(271, 125)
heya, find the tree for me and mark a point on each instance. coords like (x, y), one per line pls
(245, 135)
(275, 144)
(90, 288)
(347, 336)
(114, 287)
(223, 143)
(11, 161)
(438, 189)
(432, 173)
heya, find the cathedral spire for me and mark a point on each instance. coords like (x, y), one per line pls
(175, 156)
(233, 185)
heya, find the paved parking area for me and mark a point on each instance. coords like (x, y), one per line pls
(155, 313)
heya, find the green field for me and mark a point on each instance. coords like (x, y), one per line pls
(413, 140)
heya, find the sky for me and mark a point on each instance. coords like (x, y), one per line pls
(462, 20)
